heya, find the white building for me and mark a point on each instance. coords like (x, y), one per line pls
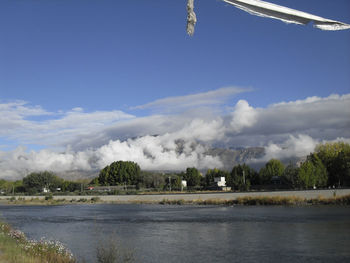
(220, 181)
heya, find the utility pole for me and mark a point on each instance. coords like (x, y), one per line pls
(170, 183)
(243, 177)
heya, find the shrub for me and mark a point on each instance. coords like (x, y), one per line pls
(113, 252)
(48, 197)
(95, 199)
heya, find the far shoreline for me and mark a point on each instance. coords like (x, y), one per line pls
(302, 197)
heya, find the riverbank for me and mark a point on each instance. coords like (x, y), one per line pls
(16, 248)
(266, 200)
(324, 197)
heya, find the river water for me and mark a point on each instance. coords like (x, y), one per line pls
(156, 233)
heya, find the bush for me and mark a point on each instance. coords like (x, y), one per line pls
(95, 199)
(113, 252)
(48, 197)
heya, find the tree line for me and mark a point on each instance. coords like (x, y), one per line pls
(327, 166)
(38, 182)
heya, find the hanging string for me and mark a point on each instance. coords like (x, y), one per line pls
(191, 17)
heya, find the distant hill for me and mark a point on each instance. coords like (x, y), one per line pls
(232, 157)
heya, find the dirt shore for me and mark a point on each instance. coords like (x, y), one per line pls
(155, 198)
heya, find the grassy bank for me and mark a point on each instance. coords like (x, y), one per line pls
(179, 200)
(49, 200)
(265, 200)
(16, 248)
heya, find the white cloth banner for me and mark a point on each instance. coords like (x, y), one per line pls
(285, 14)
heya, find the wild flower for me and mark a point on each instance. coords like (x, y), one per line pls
(39, 248)
(17, 235)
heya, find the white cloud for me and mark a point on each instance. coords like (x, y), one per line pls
(157, 153)
(96, 139)
(210, 98)
(243, 116)
(18, 163)
(300, 145)
(150, 152)
(13, 116)
(321, 118)
(294, 146)
(32, 124)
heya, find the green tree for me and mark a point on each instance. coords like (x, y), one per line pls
(10, 187)
(272, 168)
(336, 158)
(173, 181)
(120, 172)
(152, 180)
(69, 186)
(177, 182)
(94, 181)
(6, 186)
(193, 177)
(241, 177)
(342, 161)
(209, 177)
(18, 186)
(290, 175)
(35, 182)
(3, 184)
(312, 172)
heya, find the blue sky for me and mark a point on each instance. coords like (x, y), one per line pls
(117, 54)
(99, 63)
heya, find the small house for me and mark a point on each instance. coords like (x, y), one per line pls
(183, 184)
(220, 181)
(219, 184)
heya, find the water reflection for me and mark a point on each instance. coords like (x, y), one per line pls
(194, 233)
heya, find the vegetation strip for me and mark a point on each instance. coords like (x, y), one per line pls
(243, 200)
(16, 248)
(264, 200)
(49, 200)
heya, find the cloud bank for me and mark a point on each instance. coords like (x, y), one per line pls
(90, 141)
